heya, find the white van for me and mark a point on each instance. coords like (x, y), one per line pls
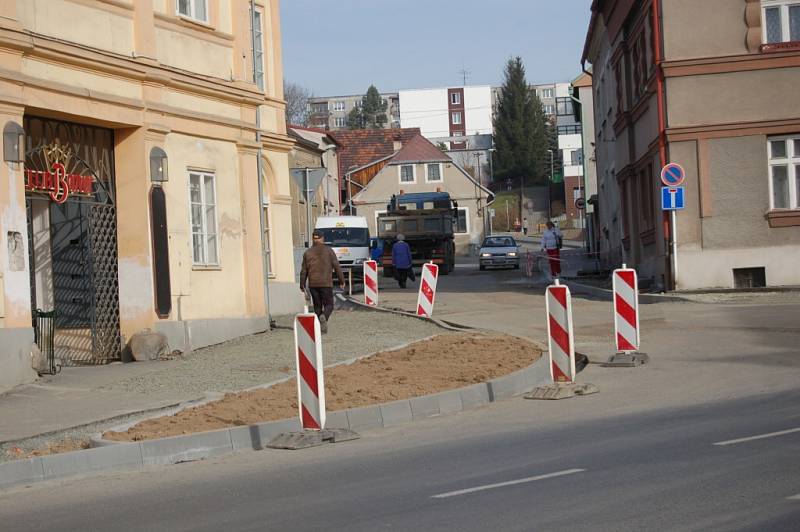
(349, 238)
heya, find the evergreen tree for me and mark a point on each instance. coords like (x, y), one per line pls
(372, 112)
(520, 130)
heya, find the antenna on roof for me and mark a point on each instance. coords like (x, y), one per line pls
(464, 75)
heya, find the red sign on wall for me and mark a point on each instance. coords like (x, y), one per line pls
(58, 183)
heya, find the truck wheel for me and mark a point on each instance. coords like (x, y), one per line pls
(444, 269)
(482, 268)
(388, 271)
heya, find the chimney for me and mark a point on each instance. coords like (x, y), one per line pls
(397, 145)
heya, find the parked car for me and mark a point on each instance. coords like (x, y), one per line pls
(499, 252)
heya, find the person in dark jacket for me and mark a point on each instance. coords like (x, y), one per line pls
(319, 265)
(401, 259)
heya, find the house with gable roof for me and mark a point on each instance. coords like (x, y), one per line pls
(419, 166)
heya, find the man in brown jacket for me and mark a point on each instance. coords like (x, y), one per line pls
(319, 264)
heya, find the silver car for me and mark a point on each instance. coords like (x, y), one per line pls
(499, 252)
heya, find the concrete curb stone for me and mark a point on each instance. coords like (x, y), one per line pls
(365, 417)
(398, 312)
(107, 456)
(608, 295)
(396, 413)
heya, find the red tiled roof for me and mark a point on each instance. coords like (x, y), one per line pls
(420, 150)
(359, 147)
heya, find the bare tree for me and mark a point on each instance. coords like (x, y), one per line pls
(296, 103)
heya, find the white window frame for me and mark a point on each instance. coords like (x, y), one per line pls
(453, 116)
(549, 109)
(547, 93)
(192, 14)
(413, 173)
(339, 105)
(259, 77)
(204, 223)
(792, 164)
(427, 175)
(783, 5)
(340, 121)
(466, 218)
(455, 98)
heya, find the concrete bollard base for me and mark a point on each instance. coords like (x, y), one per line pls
(310, 438)
(627, 360)
(561, 391)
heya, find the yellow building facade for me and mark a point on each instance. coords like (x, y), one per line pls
(148, 187)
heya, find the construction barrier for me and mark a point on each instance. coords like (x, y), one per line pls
(310, 381)
(626, 309)
(560, 338)
(427, 290)
(371, 283)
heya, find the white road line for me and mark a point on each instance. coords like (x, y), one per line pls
(794, 497)
(509, 483)
(758, 437)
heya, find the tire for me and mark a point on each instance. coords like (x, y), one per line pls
(482, 268)
(444, 269)
(388, 271)
(516, 266)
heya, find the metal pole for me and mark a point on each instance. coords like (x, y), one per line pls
(508, 219)
(308, 211)
(549, 183)
(674, 219)
(262, 218)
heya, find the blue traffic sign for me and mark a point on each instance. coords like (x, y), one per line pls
(672, 175)
(672, 198)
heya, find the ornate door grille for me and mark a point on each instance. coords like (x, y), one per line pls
(90, 227)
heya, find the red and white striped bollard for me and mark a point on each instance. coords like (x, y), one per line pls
(371, 283)
(427, 289)
(626, 319)
(310, 379)
(560, 337)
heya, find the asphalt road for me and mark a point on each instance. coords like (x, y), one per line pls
(640, 455)
(659, 471)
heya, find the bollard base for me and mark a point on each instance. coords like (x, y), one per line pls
(563, 390)
(627, 360)
(310, 438)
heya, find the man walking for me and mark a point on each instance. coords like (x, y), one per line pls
(401, 259)
(319, 265)
(551, 243)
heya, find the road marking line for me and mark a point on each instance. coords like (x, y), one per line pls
(758, 437)
(794, 497)
(509, 483)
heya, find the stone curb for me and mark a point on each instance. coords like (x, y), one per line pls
(608, 295)
(116, 456)
(400, 312)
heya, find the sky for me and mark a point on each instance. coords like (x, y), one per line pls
(340, 47)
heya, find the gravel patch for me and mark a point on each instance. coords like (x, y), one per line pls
(251, 361)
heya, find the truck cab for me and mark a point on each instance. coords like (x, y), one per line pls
(427, 221)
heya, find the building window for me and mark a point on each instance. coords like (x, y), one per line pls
(784, 172)
(258, 50)
(433, 172)
(319, 108)
(781, 21)
(455, 98)
(338, 106)
(577, 157)
(407, 173)
(194, 9)
(340, 121)
(549, 109)
(461, 222)
(456, 118)
(203, 206)
(547, 93)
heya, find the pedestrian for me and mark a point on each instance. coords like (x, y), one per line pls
(551, 244)
(525, 226)
(319, 265)
(401, 259)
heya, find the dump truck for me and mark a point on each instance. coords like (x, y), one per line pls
(427, 220)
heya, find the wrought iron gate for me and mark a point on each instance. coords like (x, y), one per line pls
(83, 233)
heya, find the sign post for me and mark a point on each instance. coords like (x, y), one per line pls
(672, 199)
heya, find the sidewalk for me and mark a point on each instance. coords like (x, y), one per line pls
(81, 396)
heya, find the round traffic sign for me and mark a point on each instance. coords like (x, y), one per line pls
(672, 175)
(580, 203)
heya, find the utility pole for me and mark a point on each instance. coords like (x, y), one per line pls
(308, 209)
(477, 156)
